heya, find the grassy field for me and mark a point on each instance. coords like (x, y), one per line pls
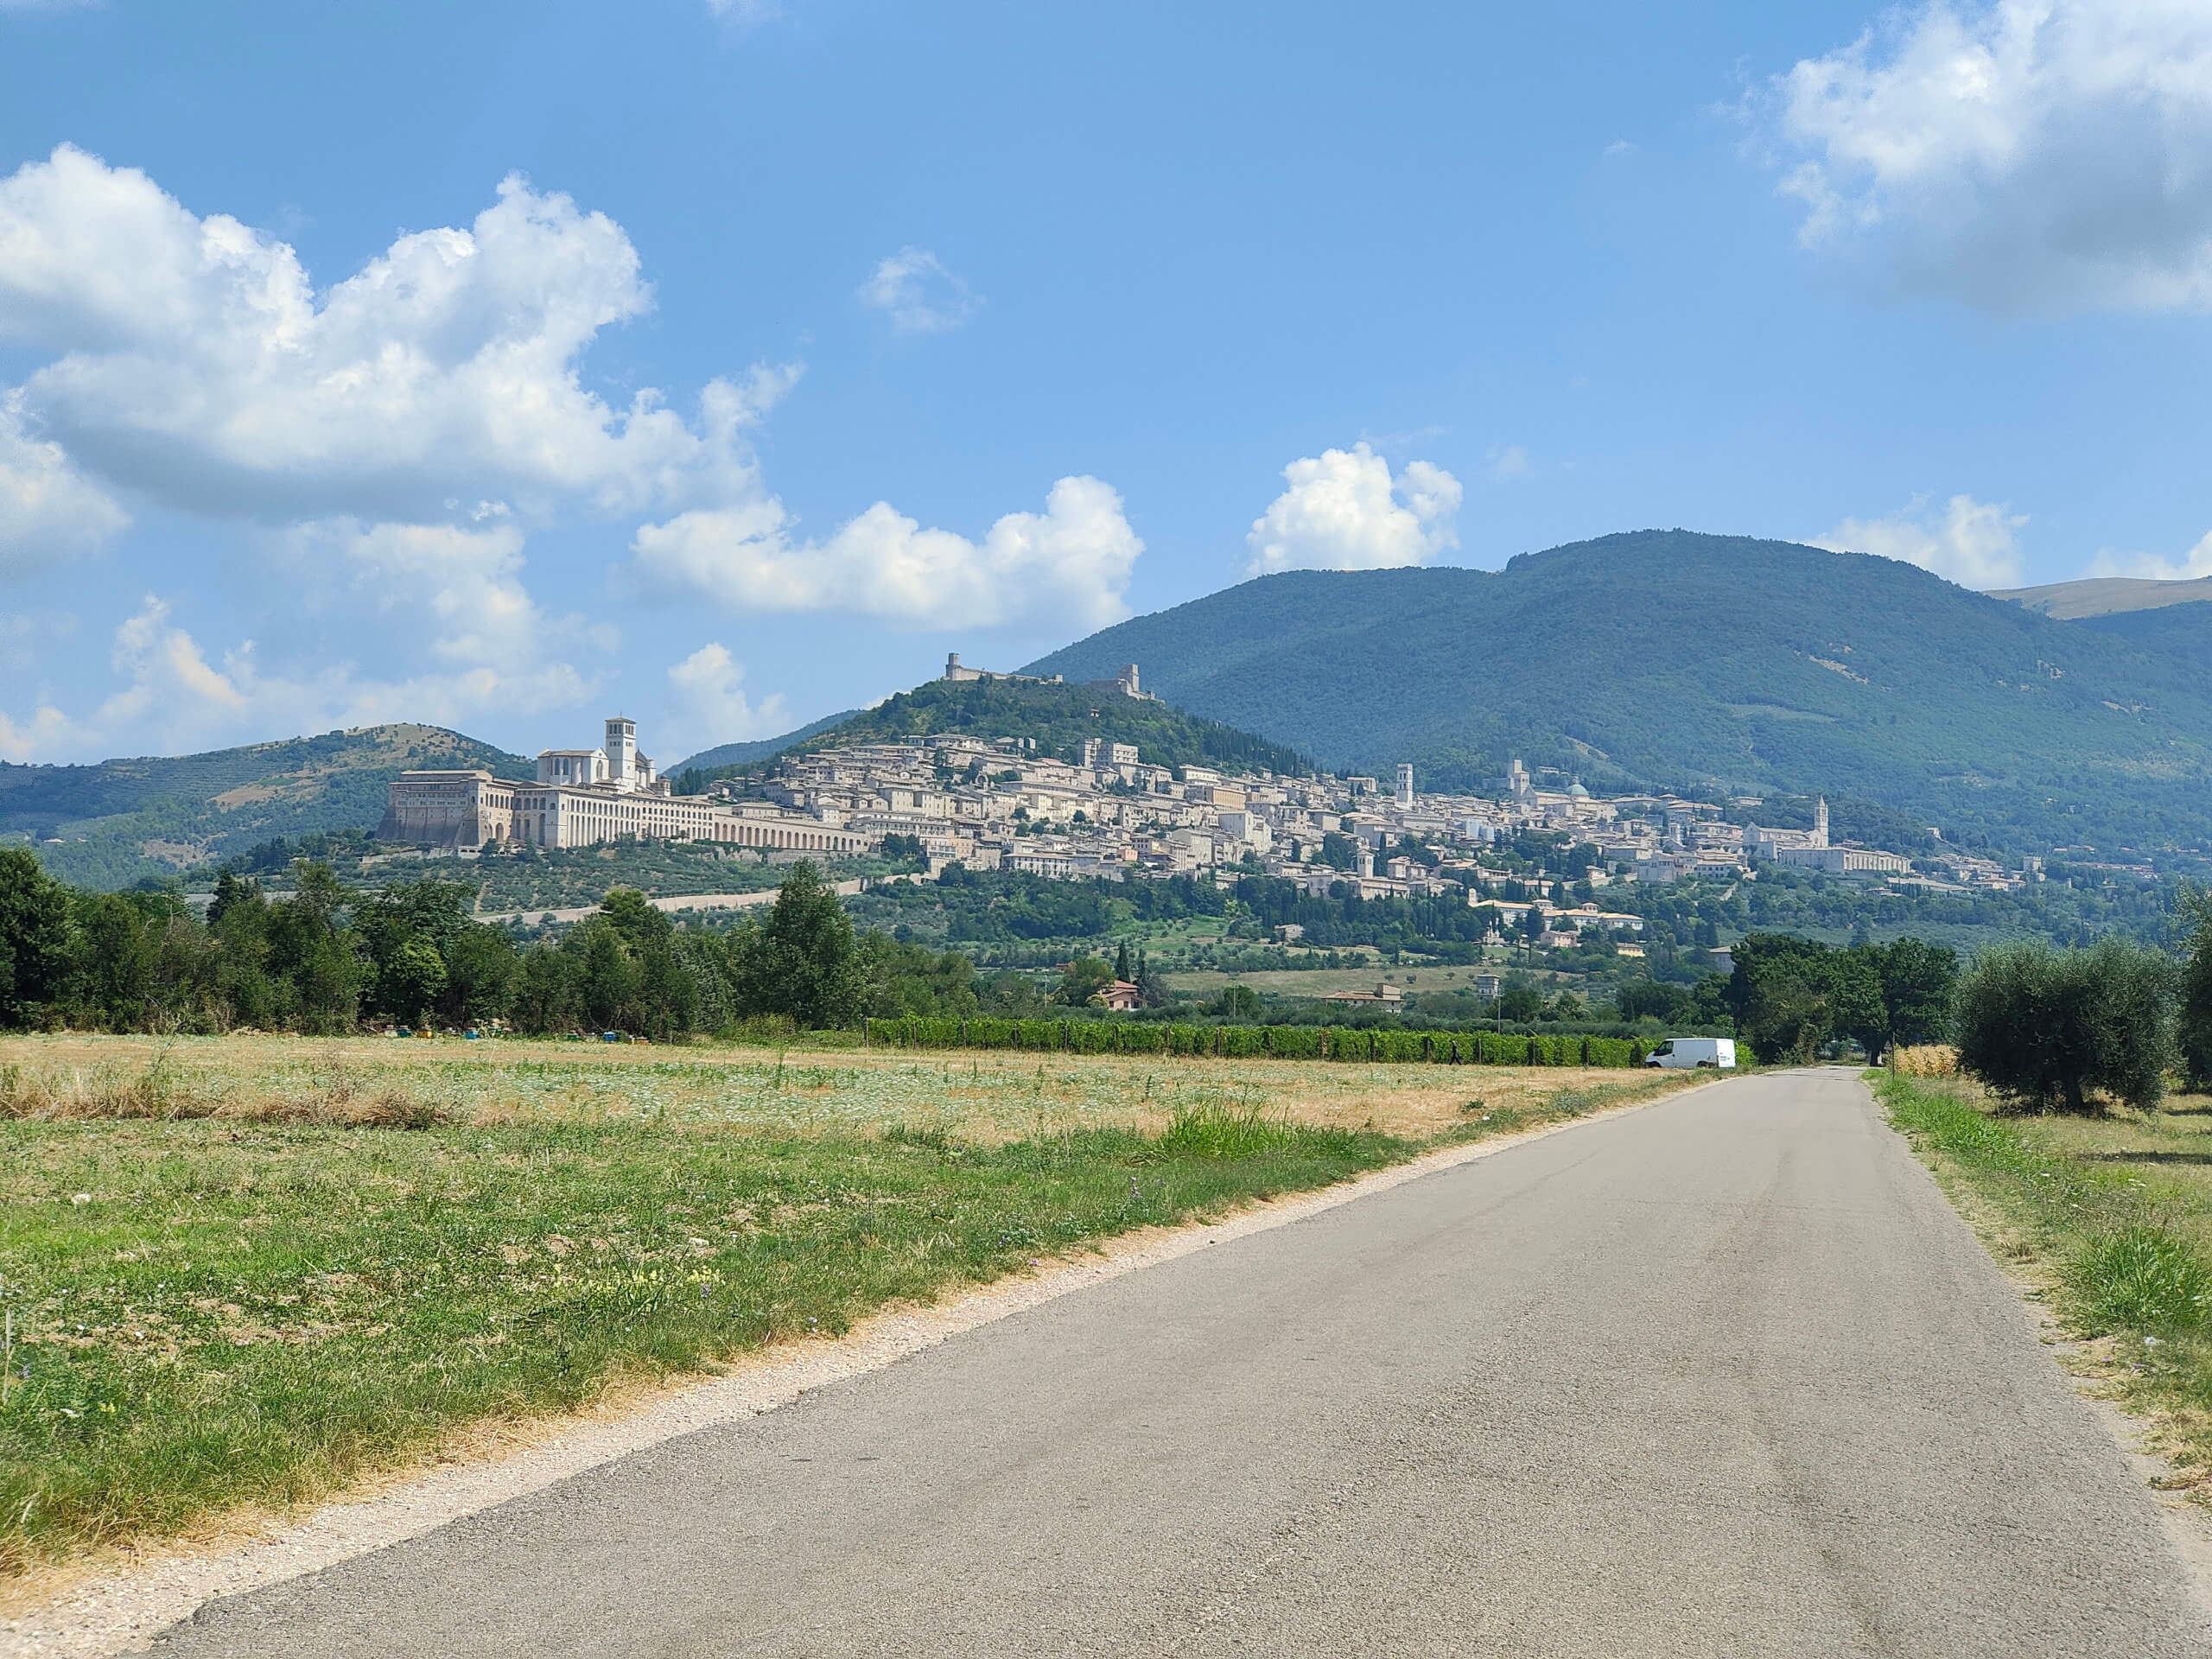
(2110, 1219)
(246, 1271)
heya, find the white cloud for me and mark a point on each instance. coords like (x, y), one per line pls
(745, 13)
(1971, 542)
(710, 705)
(2197, 562)
(2021, 154)
(1343, 512)
(452, 598)
(1069, 564)
(197, 363)
(175, 699)
(48, 511)
(387, 442)
(1511, 461)
(914, 290)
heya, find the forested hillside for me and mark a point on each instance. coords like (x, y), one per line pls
(1724, 665)
(120, 821)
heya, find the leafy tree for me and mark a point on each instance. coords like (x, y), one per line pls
(2045, 1027)
(802, 961)
(1520, 1003)
(1784, 996)
(548, 991)
(34, 957)
(319, 971)
(1642, 998)
(1122, 971)
(904, 978)
(412, 980)
(1856, 1006)
(480, 966)
(1082, 979)
(1237, 1002)
(2194, 905)
(1919, 983)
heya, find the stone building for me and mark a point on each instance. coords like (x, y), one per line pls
(581, 797)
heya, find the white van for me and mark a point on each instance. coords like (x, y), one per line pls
(1684, 1052)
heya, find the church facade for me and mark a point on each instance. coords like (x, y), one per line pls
(581, 797)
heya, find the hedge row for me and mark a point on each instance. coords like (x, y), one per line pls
(1244, 1042)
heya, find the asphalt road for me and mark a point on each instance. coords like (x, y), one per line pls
(1721, 1376)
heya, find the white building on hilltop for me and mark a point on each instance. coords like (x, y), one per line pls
(584, 797)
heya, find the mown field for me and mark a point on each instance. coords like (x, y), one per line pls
(2109, 1218)
(247, 1271)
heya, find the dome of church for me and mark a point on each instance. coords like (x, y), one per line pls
(1578, 794)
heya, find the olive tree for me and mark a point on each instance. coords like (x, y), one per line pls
(2044, 1028)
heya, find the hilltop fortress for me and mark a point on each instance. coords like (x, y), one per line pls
(583, 796)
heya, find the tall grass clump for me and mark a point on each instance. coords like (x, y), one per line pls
(1226, 1132)
(2141, 1278)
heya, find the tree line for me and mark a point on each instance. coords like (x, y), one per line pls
(326, 958)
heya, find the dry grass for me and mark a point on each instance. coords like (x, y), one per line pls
(986, 1099)
(1926, 1060)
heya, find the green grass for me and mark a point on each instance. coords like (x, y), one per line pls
(208, 1313)
(2116, 1212)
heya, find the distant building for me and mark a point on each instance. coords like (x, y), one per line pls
(1389, 994)
(1122, 997)
(1405, 786)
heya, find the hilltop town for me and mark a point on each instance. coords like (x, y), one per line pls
(1101, 810)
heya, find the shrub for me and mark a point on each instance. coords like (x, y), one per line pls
(2045, 1027)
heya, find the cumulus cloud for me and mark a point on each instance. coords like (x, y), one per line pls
(710, 706)
(1345, 511)
(920, 296)
(198, 365)
(48, 511)
(1069, 564)
(2017, 155)
(1972, 542)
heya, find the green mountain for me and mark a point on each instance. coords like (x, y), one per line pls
(1720, 664)
(120, 822)
(2182, 629)
(738, 755)
(1058, 718)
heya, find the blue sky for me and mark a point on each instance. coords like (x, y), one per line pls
(502, 365)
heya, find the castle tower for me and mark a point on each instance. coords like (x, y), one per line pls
(1820, 822)
(1405, 786)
